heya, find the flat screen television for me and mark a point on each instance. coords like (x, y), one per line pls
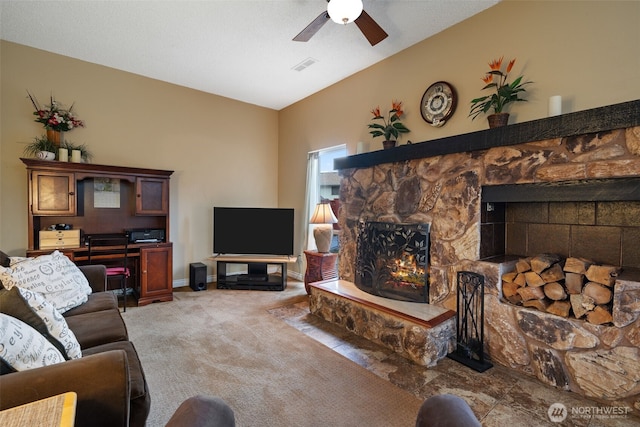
(253, 231)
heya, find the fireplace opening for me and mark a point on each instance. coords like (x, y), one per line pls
(393, 260)
(597, 219)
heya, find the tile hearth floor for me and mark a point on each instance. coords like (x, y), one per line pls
(498, 397)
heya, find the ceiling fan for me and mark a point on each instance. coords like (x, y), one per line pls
(344, 12)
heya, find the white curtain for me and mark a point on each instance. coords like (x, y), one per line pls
(312, 197)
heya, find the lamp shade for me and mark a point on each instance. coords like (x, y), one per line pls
(323, 214)
(344, 11)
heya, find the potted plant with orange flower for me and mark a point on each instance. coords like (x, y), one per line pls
(504, 93)
(391, 127)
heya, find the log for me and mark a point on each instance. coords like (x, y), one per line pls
(509, 277)
(540, 304)
(520, 279)
(515, 299)
(559, 308)
(528, 293)
(577, 265)
(533, 279)
(600, 294)
(541, 262)
(574, 282)
(581, 304)
(523, 265)
(588, 303)
(603, 274)
(599, 316)
(509, 289)
(555, 291)
(552, 274)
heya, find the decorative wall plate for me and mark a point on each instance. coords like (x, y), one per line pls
(438, 103)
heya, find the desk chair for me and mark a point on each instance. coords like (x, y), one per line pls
(112, 248)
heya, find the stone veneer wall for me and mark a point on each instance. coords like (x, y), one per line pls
(602, 362)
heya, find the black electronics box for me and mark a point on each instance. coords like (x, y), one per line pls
(152, 235)
(198, 276)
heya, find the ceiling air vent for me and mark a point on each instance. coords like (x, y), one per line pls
(304, 64)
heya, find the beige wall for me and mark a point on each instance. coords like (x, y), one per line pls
(223, 152)
(230, 153)
(588, 52)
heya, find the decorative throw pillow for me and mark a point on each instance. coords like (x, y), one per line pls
(54, 321)
(54, 276)
(14, 260)
(13, 304)
(22, 347)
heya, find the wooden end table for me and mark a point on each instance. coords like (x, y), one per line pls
(320, 266)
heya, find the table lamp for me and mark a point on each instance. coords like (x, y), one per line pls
(322, 233)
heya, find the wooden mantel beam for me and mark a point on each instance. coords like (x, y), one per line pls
(617, 116)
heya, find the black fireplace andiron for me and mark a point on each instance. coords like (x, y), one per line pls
(470, 322)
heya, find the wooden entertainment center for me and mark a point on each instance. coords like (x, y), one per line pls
(97, 199)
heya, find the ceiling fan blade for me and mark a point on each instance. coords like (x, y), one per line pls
(312, 28)
(371, 30)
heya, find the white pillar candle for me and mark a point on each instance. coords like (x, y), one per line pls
(63, 154)
(555, 105)
(361, 148)
(76, 156)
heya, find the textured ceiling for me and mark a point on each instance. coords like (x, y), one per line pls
(238, 49)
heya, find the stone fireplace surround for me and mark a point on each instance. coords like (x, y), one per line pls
(440, 182)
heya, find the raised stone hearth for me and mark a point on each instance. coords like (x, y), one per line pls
(441, 183)
(420, 332)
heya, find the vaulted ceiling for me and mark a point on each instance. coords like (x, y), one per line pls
(237, 49)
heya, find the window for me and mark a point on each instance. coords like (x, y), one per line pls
(323, 182)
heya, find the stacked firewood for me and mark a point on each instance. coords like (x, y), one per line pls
(566, 287)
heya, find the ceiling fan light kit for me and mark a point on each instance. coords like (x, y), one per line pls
(344, 11)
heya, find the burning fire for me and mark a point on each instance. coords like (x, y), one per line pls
(405, 271)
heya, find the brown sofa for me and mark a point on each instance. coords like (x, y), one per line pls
(108, 378)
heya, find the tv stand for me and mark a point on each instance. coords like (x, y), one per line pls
(256, 276)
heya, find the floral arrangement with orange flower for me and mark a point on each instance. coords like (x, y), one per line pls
(505, 92)
(391, 125)
(54, 116)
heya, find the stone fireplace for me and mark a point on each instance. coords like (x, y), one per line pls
(455, 184)
(393, 260)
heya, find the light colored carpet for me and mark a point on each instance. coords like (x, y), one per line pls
(225, 343)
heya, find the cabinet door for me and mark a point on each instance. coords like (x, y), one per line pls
(156, 274)
(152, 196)
(54, 193)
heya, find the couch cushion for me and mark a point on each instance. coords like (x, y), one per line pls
(53, 275)
(35, 311)
(4, 259)
(97, 328)
(97, 302)
(137, 380)
(23, 347)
